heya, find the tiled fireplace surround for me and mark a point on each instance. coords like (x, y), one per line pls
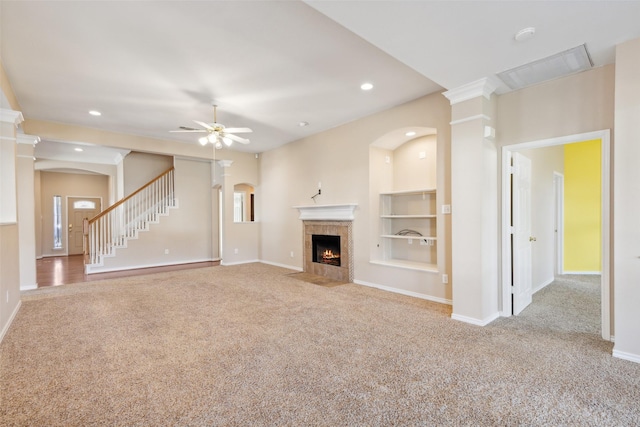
(329, 220)
(343, 229)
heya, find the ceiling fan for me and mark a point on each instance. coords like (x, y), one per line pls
(217, 134)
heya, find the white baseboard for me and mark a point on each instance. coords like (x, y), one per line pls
(276, 264)
(29, 287)
(10, 321)
(595, 273)
(543, 285)
(404, 292)
(251, 261)
(474, 321)
(139, 267)
(626, 356)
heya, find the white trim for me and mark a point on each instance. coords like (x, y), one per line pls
(626, 356)
(7, 138)
(227, 264)
(475, 321)
(605, 286)
(558, 195)
(404, 292)
(10, 321)
(327, 212)
(89, 268)
(23, 138)
(29, 287)
(593, 273)
(470, 118)
(483, 87)
(11, 116)
(543, 285)
(276, 264)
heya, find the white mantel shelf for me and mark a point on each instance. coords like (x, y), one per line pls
(327, 212)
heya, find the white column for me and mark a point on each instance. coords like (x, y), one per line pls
(474, 204)
(25, 185)
(626, 204)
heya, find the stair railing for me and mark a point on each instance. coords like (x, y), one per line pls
(122, 220)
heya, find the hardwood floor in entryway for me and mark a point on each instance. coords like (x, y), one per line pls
(64, 270)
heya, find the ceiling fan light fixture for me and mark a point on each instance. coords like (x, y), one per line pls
(203, 141)
(227, 141)
(218, 145)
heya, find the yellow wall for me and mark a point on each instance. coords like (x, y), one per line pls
(582, 207)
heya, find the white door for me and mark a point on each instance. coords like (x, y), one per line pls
(522, 238)
(80, 208)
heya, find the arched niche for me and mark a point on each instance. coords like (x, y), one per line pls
(243, 203)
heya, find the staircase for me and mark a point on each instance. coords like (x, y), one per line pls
(113, 227)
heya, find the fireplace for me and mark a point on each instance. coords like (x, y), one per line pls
(328, 248)
(332, 255)
(325, 249)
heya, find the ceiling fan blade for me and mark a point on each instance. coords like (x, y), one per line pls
(204, 125)
(237, 138)
(189, 131)
(237, 130)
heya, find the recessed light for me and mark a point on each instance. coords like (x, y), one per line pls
(95, 113)
(410, 133)
(303, 124)
(366, 86)
(78, 149)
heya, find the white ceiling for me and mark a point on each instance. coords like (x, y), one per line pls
(150, 67)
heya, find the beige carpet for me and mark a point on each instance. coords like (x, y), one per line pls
(252, 346)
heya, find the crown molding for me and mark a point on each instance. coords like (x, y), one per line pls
(11, 116)
(22, 138)
(483, 87)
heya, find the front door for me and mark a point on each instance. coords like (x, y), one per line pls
(522, 238)
(78, 209)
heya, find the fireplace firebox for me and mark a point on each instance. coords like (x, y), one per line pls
(326, 249)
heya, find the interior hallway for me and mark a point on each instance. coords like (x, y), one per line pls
(64, 270)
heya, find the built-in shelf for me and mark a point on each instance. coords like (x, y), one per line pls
(406, 264)
(410, 237)
(405, 216)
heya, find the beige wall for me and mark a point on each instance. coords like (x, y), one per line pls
(240, 241)
(182, 236)
(340, 159)
(572, 105)
(410, 171)
(140, 168)
(9, 275)
(65, 185)
(627, 201)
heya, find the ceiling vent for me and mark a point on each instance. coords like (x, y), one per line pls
(559, 65)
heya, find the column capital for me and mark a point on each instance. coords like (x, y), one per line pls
(225, 163)
(483, 87)
(22, 138)
(11, 116)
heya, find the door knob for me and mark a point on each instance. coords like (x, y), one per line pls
(532, 239)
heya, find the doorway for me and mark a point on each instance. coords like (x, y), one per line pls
(507, 230)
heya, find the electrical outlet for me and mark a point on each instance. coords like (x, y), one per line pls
(445, 278)
(235, 251)
(166, 251)
(446, 209)
(410, 241)
(291, 254)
